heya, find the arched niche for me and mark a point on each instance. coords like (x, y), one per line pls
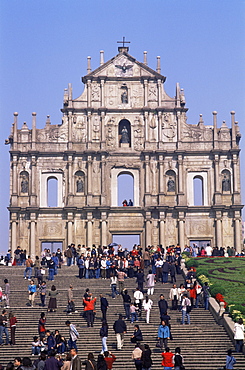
(226, 181)
(171, 181)
(80, 183)
(124, 133)
(24, 182)
(198, 190)
(52, 191)
(115, 172)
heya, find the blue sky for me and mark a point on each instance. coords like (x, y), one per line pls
(45, 43)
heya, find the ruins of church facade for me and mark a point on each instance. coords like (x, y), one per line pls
(125, 123)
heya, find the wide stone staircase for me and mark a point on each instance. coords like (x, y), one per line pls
(203, 343)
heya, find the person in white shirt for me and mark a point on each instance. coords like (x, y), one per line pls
(239, 335)
(138, 297)
(147, 304)
(174, 296)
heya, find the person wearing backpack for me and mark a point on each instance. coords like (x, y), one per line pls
(185, 309)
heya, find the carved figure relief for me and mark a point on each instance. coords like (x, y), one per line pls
(171, 181)
(152, 127)
(24, 185)
(80, 182)
(226, 181)
(96, 172)
(137, 97)
(95, 92)
(123, 67)
(80, 129)
(169, 126)
(96, 128)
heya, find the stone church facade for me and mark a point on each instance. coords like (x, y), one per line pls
(125, 123)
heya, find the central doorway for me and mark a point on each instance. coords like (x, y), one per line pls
(52, 246)
(126, 240)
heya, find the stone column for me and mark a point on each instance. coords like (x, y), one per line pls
(147, 174)
(14, 178)
(162, 229)
(89, 229)
(148, 229)
(161, 174)
(181, 230)
(70, 188)
(159, 85)
(32, 249)
(69, 130)
(159, 126)
(103, 229)
(237, 230)
(216, 174)
(69, 232)
(215, 136)
(102, 85)
(90, 163)
(13, 232)
(234, 161)
(89, 127)
(89, 93)
(103, 181)
(180, 167)
(33, 198)
(145, 93)
(146, 115)
(218, 230)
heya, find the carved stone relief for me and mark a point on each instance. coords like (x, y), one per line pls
(96, 128)
(169, 126)
(80, 129)
(152, 92)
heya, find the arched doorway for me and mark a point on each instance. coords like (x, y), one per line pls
(125, 186)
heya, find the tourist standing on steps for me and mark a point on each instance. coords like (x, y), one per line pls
(104, 335)
(206, 295)
(150, 283)
(43, 291)
(147, 305)
(103, 306)
(28, 269)
(101, 364)
(75, 360)
(167, 359)
(7, 292)
(120, 328)
(3, 327)
(70, 301)
(146, 358)
(41, 326)
(12, 325)
(90, 363)
(89, 309)
(174, 296)
(163, 334)
(32, 289)
(52, 305)
(114, 291)
(120, 277)
(163, 306)
(178, 359)
(74, 335)
(140, 279)
(230, 360)
(239, 335)
(109, 359)
(136, 356)
(126, 303)
(185, 309)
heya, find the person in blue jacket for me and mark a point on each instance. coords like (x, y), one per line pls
(163, 334)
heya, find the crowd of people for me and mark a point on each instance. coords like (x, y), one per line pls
(148, 267)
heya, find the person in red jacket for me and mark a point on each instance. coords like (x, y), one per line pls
(167, 359)
(109, 359)
(89, 309)
(12, 325)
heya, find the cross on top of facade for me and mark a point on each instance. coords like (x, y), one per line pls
(123, 42)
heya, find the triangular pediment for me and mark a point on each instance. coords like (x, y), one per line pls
(123, 65)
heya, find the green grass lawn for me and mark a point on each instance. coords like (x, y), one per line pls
(226, 276)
